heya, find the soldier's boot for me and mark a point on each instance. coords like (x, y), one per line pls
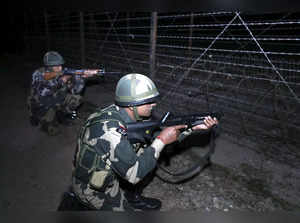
(66, 118)
(70, 202)
(139, 202)
(50, 128)
(73, 115)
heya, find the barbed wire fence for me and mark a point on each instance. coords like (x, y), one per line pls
(244, 64)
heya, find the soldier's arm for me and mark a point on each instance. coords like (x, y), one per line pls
(41, 86)
(77, 84)
(181, 136)
(90, 72)
(124, 161)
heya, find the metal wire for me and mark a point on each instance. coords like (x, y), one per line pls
(204, 38)
(194, 14)
(216, 25)
(270, 62)
(246, 64)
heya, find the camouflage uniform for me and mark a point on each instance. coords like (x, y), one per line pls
(103, 146)
(104, 155)
(49, 96)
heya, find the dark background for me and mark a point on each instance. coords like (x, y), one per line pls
(26, 176)
(12, 13)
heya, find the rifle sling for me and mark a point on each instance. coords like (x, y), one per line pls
(181, 176)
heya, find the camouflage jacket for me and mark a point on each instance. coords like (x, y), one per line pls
(104, 155)
(103, 144)
(47, 93)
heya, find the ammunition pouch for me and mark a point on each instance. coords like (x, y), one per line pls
(92, 165)
(92, 169)
(101, 179)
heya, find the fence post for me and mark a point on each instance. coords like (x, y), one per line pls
(153, 43)
(47, 31)
(82, 42)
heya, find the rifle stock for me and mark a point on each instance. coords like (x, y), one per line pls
(51, 75)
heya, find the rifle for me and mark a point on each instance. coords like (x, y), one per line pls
(143, 131)
(70, 71)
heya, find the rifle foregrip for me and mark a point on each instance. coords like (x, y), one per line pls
(199, 122)
(200, 119)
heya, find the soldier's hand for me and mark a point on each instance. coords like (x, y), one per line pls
(170, 134)
(208, 123)
(90, 72)
(65, 78)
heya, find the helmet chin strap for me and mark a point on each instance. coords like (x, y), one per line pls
(136, 115)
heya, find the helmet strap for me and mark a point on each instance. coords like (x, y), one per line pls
(136, 115)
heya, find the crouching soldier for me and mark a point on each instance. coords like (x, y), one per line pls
(105, 157)
(55, 96)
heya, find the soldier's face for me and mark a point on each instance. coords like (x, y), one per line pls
(57, 68)
(145, 110)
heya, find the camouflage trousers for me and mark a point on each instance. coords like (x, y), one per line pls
(112, 199)
(45, 114)
(71, 102)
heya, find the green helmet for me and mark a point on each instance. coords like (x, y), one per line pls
(134, 90)
(53, 58)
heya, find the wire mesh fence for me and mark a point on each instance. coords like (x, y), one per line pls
(245, 64)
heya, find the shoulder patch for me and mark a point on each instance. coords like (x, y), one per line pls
(122, 130)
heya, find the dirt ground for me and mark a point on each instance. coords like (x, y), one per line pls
(36, 168)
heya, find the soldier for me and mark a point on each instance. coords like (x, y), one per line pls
(54, 96)
(104, 157)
